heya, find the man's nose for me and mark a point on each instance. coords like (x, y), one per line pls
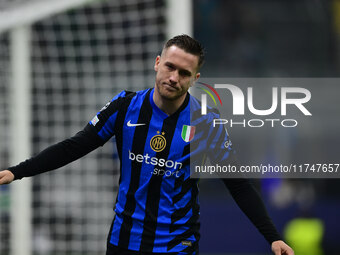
(174, 76)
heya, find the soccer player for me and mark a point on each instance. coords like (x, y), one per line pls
(157, 208)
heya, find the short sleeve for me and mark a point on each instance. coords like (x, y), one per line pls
(219, 143)
(103, 122)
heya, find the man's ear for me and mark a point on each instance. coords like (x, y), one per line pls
(197, 76)
(157, 60)
(195, 79)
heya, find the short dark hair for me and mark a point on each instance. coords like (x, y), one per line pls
(189, 45)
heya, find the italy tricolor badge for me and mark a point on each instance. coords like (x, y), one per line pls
(188, 133)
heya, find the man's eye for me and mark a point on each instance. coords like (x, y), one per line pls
(184, 73)
(170, 67)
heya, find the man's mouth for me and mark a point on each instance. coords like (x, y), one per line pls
(171, 87)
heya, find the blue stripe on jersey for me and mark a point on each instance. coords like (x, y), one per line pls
(107, 130)
(146, 174)
(217, 146)
(132, 113)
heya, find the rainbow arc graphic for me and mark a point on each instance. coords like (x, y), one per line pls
(209, 93)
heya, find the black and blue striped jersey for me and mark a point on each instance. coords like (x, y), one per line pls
(157, 206)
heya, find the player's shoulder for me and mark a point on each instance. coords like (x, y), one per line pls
(122, 95)
(128, 95)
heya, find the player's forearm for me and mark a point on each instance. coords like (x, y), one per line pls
(252, 205)
(57, 155)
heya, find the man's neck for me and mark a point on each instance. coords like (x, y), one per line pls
(168, 106)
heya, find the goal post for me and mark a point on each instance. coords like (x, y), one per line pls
(179, 18)
(32, 11)
(20, 139)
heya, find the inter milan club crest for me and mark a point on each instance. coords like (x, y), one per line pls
(158, 142)
(188, 133)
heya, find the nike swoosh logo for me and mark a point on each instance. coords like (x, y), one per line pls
(129, 124)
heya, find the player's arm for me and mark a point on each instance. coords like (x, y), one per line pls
(95, 134)
(55, 156)
(243, 192)
(250, 202)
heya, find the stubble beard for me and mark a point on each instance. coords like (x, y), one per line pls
(167, 96)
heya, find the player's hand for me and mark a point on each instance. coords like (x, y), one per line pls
(281, 248)
(6, 177)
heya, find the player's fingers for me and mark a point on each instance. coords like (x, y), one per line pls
(6, 177)
(2, 180)
(2, 174)
(286, 250)
(289, 251)
(283, 251)
(276, 250)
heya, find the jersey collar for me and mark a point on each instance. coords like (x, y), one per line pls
(163, 114)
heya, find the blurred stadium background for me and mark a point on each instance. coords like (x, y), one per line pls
(61, 61)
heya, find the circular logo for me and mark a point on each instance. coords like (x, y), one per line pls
(158, 143)
(227, 144)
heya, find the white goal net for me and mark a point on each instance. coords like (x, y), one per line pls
(80, 58)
